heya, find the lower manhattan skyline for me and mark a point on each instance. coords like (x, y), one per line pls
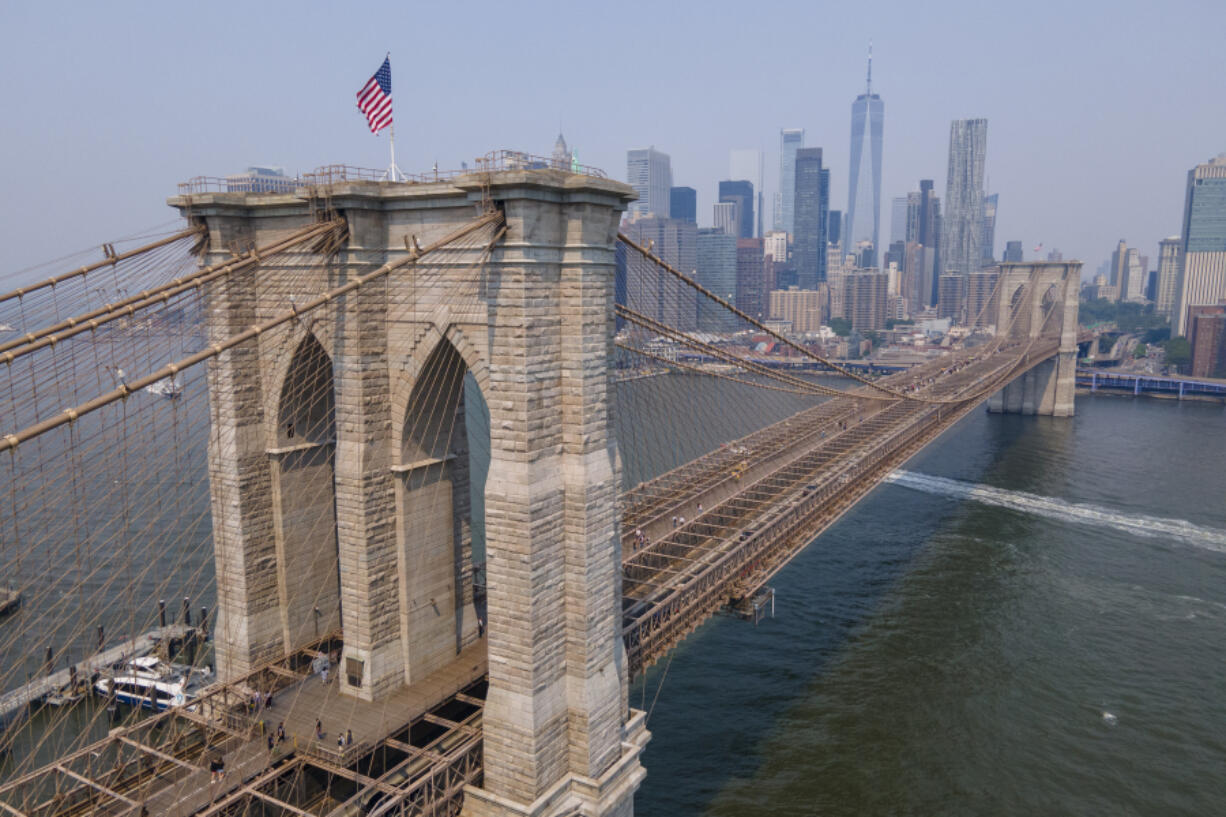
(1086, 147)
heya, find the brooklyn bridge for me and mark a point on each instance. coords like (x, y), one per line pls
(432, 452)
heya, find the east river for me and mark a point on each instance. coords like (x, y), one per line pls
(1031, 619)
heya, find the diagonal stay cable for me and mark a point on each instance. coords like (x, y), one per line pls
(764, 328)
(109, 261)
(11, 441)
(127, 307)
(697, 345)
(699, 370)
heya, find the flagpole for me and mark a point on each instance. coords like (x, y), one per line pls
(391, 141)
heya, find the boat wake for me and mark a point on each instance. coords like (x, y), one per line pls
(1058, 509)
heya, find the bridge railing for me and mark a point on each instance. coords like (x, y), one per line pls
(494, 161)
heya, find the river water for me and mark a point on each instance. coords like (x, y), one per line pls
(1030, 619)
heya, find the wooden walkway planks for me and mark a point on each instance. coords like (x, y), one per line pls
(299, 705)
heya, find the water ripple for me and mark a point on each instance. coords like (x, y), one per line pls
(1051, 508)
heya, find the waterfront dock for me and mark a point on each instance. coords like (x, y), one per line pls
(13, 703)
(1175, 388)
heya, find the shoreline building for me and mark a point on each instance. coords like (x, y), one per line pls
(1207, 336)
(790, 141)
(962, 221)
(1168, 276)
(650, 173)
(864, 183)
(1202, 267)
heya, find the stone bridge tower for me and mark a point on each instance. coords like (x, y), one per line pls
(1045, 295)
(339, 466)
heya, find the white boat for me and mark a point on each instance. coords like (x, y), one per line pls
(150, 684)
(168, 387)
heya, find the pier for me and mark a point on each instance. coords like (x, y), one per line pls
(15, 702)
(1169, 387)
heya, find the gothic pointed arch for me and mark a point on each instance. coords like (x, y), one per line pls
(435, 508)
(303, 458)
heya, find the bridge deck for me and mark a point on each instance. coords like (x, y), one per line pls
(299, 705)
(162, 764)
(788, 492)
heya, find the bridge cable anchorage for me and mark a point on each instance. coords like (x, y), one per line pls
(91, 320)
(111, 260)
(251, 332)
(762, 327)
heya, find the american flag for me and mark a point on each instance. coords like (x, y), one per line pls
(375, 98)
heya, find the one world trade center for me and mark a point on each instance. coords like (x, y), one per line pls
(864, 187)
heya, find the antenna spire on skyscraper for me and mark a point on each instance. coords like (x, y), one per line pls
(869, 90)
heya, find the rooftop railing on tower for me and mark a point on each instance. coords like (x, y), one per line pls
(494, 161)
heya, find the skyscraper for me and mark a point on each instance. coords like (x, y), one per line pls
(898, 219)
(683, 203)
(716, 272)
(800, 307)
(1132, 284)
(864, 186)
(1207, 336)
(1013, 252)
(812, 202)
(726, 217)
(776, 246)
(561, 154)
(962, 221)
(1119, 258)
(647, 289)
(650, 173)
(740, 192)
(987, 244)
(924, 230)
(1202, 267)
(746, 163)
(1168, 275)
(865, 292)
(834, 228)
(751, 284)
(790, 141)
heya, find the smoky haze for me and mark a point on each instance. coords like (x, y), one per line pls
(1096, 110)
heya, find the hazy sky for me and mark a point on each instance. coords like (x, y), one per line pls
(1096, 109)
